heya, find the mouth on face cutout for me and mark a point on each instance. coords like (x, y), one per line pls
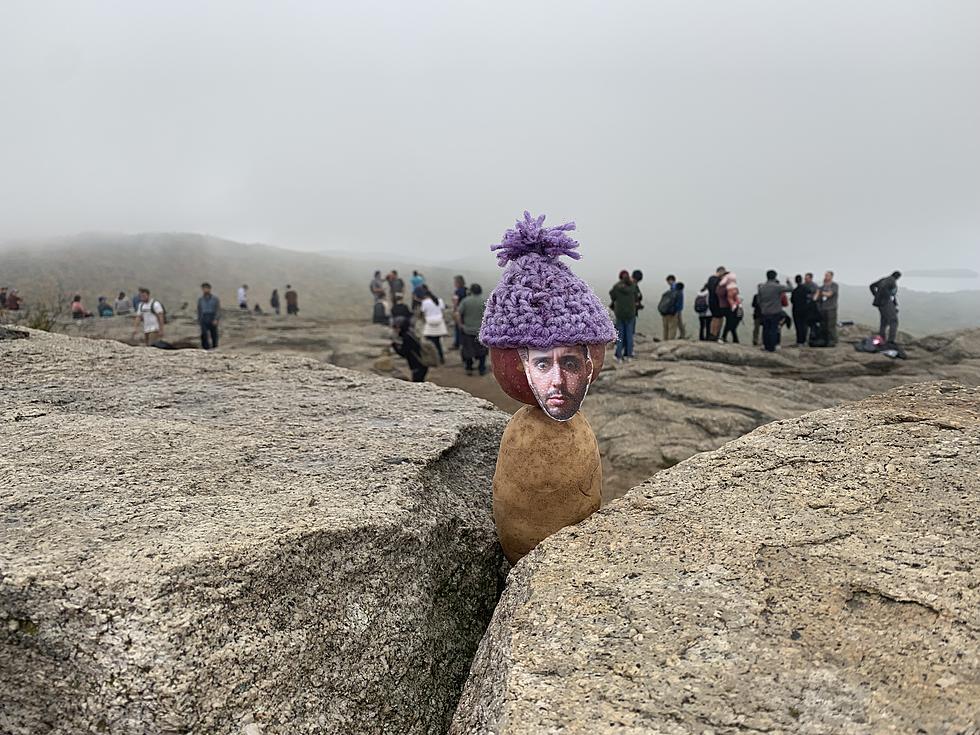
(559, 378)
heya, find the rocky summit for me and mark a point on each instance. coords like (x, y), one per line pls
(679, 398)
(206, 543)
(820, 575)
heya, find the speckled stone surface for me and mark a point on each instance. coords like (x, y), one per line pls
(820, 575)
(205, 543)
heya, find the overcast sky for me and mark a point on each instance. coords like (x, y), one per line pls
(839, 134)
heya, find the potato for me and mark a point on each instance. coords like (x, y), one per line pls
(548, 476)
(509, 371)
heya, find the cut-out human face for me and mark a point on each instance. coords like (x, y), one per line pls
(559, 378)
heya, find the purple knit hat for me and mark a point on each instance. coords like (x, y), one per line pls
(539, 302)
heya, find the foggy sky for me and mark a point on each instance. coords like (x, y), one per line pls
(841, 135)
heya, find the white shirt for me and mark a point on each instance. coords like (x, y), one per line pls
(435, 322)
(148, 311)
(242, 296)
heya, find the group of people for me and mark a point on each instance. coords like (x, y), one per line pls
(427, 309)
(812, 306)
(291, 298)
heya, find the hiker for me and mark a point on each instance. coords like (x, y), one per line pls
(469, 317)
(769, 301)
(826, 299)
(292, 300)
(104, 308)
(122, 305)
(151, 315)
(3, 298)
(14, 301)
(704, 316)
(624, 296)
(208, 315)
(408, 347)
(243, 297)
(459, 293)
(377, 287)
(671, 302)
(637, 276)
(800, 299)
(885, 292)
(400, 309)
(714, 307)
(416, 280)
(77, 310)
(433, 312)
(756, 320)
(397, 286)
(274, 301)
(730, 303)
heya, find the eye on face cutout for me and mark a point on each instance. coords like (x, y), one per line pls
(559, 378)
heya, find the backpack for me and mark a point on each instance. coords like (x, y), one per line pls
(701, 304)
(428, 354)
(666, 305)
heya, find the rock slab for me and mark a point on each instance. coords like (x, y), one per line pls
(820, 575)
(201, 543)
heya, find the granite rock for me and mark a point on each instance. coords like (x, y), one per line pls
(820, 575)
(211, 543)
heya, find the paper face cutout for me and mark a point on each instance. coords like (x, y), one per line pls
(559, 378)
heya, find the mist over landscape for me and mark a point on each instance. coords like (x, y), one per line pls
(393, 487)
(759, 134)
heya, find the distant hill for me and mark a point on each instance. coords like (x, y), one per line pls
(173, 265)
(335, 285)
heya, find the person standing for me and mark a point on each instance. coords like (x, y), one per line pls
(3, 298)
(469, 316)
(397, 286)
(885, 292)
(714, 305)
(827, 298)
(416, 280)
(771, 298)
(800, 299)
(433, 312)
(756, 320)
(730, 302)
(208, 315)
(377, 287)
(243, 297)
(624, 296)
(459, 293)
(122, 305)
(151, 315)
(292, 300)
(679, 309)
(274, 301)
(704, 316)
(637, 276)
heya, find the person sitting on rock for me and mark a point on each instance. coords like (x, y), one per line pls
(406, 345)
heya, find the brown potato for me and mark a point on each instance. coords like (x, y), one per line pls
(548, 476)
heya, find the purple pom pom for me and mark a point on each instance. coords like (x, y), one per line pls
(529, 236)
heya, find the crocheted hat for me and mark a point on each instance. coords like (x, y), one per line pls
(539, 302)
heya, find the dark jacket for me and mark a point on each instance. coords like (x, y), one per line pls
(624, 297)
(884, 290)
(802, 295)
(411, 350)
(712, 293)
